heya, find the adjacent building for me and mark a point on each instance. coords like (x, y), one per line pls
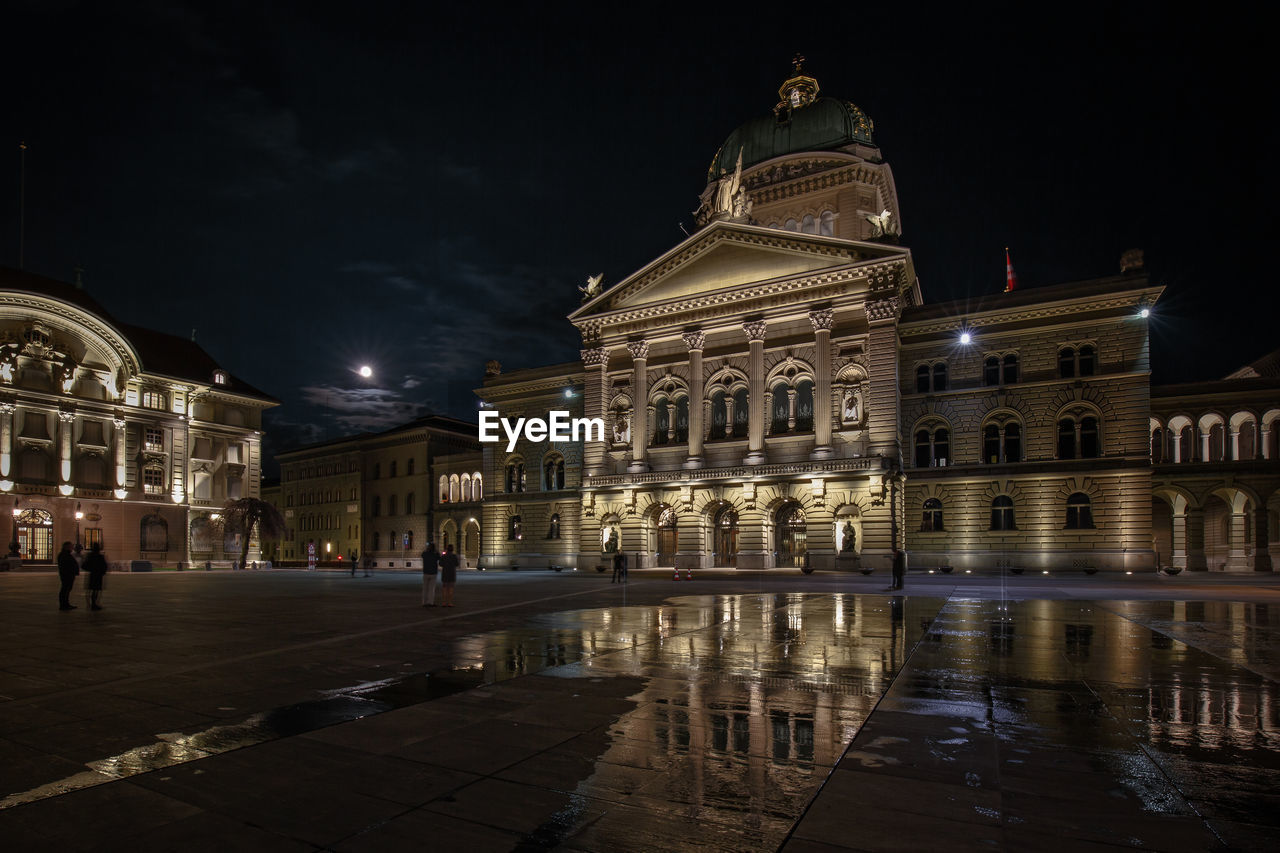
(116, 434)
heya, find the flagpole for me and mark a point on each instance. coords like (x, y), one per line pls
(22, 205)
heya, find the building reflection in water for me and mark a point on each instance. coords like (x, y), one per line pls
(749, 700)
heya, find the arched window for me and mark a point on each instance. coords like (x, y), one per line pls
(1157, 445)
(781, 409)
(553, 472)
(719, 416)
(827, 224)
(682, 419)
(391, 505)
(154, 533)
(515, 476)
(1002, 513)
(932, 520)
(377, 506)
(477, 487)
(1216, 443)
(808, 225)
(455, 488)
(444, 489)
(1087, 358)
(377, 541)
(1186, 444)
(392, 541)
(1079, 512)
(553, 531)
(1079, 438)
(991, 371)
(791, 225)
(1067, 363)
(1090, 447)
(741, 413)
(932, 447)
(804, 406)
(1010, 369)
(1002, 442)
(513, 528)
(662, 426)
(922, 379)
(408, 535)
(1066, 439)
(940, 376)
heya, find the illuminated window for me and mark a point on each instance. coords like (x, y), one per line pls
(932, 520)
(513, 528)
(155, 400)
(153, 480)
(153, 439)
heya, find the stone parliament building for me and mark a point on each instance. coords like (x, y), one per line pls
(777, 393)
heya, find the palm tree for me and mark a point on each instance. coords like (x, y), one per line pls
(243, 515)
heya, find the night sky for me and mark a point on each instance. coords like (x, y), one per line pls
(315, 186)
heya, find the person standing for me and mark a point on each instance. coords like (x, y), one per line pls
(96, 565)
(355, 561)
(430, 574)
(619, 567)
(899, 568)
(68, 569)
(448, 574)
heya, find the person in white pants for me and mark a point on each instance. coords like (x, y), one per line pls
(430, 574)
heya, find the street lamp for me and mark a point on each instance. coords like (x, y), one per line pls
(79, 517)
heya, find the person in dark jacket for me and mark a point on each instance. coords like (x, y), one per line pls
(96, 565)
(448, 574)
(68, 568)
(430, 574)
(899, 568)
(619, 567)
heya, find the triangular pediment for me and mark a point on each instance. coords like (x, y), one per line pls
(726, 257)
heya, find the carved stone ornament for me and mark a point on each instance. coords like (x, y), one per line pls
(594, 357)
(822, 318)
(755, 329)
(883, 309)
(638, 349)
(695, 340)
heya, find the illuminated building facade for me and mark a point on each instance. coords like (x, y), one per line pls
(115, 434)
(777, 393)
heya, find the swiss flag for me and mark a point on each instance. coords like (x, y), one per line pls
(1010, 277)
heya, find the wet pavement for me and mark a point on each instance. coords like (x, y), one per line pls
(286, 711)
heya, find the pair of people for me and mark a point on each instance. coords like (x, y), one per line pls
(443, 567)
(69, 569)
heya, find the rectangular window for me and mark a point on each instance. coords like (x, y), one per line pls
(202, 486)
(234, 455)
(153, 439)
(92, 536)
(154, 400)
(153, 481)
(234, 488)
(203, 449)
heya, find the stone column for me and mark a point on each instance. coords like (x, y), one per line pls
(6, 439)
(121, 440)
(1261, 540)
(66, 421)
(791, 410)
(695, 341)
(1264, 436)
(1196, 561)
(755, 330)
(883, 399)
(1235, 444)
(1179, 544)
(1237, 558)
(822, 320)
(639, 406)
(1204, 444)
(595, 360)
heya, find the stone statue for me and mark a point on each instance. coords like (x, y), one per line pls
(849, 539)
(67, 374)
(880, 223)
(9, 362)
(730, 196)
(621, 429)
(593, 287)
(850, 414)
(611, 540)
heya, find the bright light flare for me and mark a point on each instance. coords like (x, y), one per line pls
(365, 371)
(966, 338)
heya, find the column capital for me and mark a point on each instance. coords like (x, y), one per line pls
(7, 408)
(66, 417)
(638, 349)
(883, 309)
(594, 357)
(755, 330)
(695, 340)
(822, 318)
(119, 422)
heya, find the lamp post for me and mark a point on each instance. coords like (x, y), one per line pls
(13, 543)
(79, 518)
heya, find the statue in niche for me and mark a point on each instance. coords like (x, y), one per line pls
(611, 540)
(66, 374)
(621, 429)
(9, 362)
(850, 411)
(849, 538)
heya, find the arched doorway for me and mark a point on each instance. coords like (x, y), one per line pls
(668, 537)
(726, 551)
(35, 535)
(792, 536)
(471, 542)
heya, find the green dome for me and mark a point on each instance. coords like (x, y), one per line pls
(823, 125)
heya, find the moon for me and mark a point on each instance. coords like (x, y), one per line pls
(366, 371)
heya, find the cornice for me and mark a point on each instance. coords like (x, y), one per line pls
(1123, 301)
